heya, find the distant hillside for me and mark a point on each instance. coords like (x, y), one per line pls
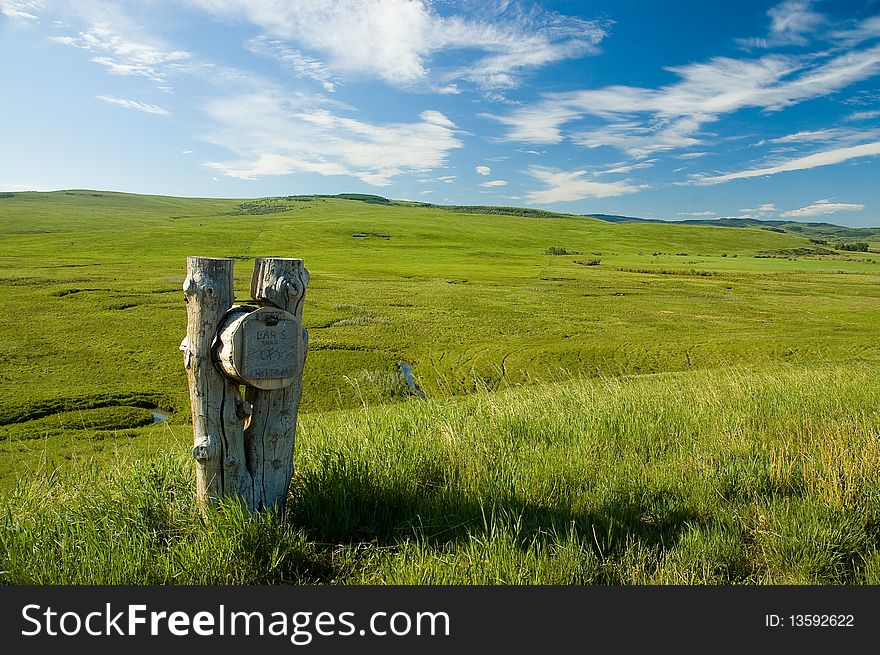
(815, 230)
(490, 209)
(614, 218)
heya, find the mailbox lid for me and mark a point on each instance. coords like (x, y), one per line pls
(260, 348)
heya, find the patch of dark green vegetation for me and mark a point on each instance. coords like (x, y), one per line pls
(7, 195)
(70, 292)
(859, 246)
(25, 281)
(42, 408)
(588, 262)
(363, 197)
(556, 250)
(100, 418)
(503, 211)
(341, 346)
(367, 235)
(787, 253)
(367, 198)
(259, 207)
(671, 271)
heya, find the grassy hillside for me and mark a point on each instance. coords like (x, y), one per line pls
(607, 402)
(731, 477)
(804, 228)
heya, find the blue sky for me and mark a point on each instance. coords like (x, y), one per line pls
(671, 110)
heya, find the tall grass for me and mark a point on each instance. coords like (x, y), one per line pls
(706, 477)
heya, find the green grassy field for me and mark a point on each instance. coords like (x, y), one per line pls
(662, 403)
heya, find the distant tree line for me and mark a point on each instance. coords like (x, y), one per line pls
(859, 246)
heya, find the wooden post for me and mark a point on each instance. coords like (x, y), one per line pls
(218, 411)
(244, 446)
(269, 437)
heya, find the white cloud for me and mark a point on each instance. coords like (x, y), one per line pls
(124, 56)
(436, 118)
(483, 170)
(300, 64)
(187, 152)
(447, 179)
(822, 207)
(823, 158)
(565, 186)
(640, 140)
(864, 115)
(271, 133)
(642, 121)
(701, 214)
(21, 9)
(867, 29)
(521, 41)
(627, 168)
(692, 155)
(397, 40)
(494, 183)
(792, 19)
(811, 135)
(135, 104)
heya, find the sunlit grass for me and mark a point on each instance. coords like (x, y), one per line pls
(727, 477)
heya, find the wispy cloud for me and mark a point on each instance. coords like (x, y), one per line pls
(866, 29)
(702, 214)
(135, 104)
(494, 183)
(863, 115)
(626, 168)
(642, 121)
(822, 207)
(21, 9)
(566, 186)
(397, 40)
(124, 56)
(762, 212)
(823, 158)
(791, 20)
(271, 133)
(483, 170)
(300, 64)
(809, 136)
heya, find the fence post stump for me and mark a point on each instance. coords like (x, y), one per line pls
(244, 446)
(269, 437)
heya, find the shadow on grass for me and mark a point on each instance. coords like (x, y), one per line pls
(343, 507)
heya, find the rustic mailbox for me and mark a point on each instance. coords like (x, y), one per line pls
(243, 442)
(260, 348)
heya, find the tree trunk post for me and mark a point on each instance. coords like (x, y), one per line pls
(243, 447)
(269, 437)
(218, 419)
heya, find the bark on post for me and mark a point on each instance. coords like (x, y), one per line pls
(269, 437)
(244, 446)
(218, 411)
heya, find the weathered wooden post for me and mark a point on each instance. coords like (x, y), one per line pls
(243, 446)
